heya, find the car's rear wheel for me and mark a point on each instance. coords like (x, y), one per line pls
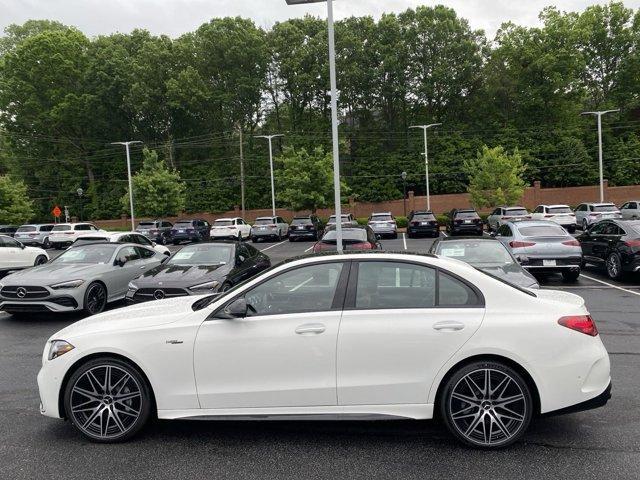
(46, 243)
(40, 260)
(486, 405)
(614, 266)
(585, 225)
(95, 298)
(107, 400)
(571, 275)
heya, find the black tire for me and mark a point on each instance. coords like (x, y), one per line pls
(226, 286)
(571, 275)
(409, 235)
(585, 225)
(46, 244)
(95, 298)
(614, 266)
(57, 246)
(291, 239)
(40, 260)
(572, 229)
(175, 242)
(395, 236)
(482, 408)
(112, 408)
(254, 240)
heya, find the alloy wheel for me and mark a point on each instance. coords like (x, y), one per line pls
(95, 298)
(613, 266)
(40, 260)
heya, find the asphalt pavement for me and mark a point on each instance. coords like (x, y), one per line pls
(597, 444)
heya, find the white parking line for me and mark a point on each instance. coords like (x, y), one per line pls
(611, 285)
(404, 240)
(275, 245)
(444, 234)
(309, 249)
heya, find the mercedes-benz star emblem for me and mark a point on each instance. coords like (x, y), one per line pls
(158, 294)
(21, 292)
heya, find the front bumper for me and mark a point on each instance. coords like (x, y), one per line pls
(50, 379)
(58, 304)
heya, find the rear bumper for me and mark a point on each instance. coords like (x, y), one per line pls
(537, 263)
(475, 228)
(423, 230)
(302, 233)
(596, 402)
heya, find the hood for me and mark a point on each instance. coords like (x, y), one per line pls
(182, 275)
(514, 274)
(50, 273)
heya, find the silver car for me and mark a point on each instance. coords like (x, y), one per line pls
(383, 224)
(347, 219)
(630, 210)
(35, 235)
(85, 277)
(589, 213)
(542, 246)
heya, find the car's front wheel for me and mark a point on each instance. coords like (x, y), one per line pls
(40, 260)
(107, 400)
(486, 405)
(95, 298)
(614, 266)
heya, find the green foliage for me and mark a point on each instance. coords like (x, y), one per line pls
(15, 206)
(495, 177)
(157, 191)
(402, 222)
(443, 219)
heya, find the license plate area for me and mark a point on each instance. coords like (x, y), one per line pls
(548, 263)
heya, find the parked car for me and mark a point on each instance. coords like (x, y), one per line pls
(487, 254)
(16, 256)
(269, 227)
(630, 210)
(235, 228)
(189, 230)
(506, 214)
(560, 214)
(347, 219)
(542, 246)
(121, 237)
(372, 335)
(85, 277)
(464, 220)
(354, 237)
(35, 235)
(422, 223)
(614, 245)
(158, 231)
(8, 230)
(64, 234)
(306, 227)
(383, 225)
(590, 213)
(199, 269)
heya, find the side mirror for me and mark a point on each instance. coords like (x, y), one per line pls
(236, 309)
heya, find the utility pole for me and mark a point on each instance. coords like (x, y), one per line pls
(126, 145)
(426, 156)
(273, 186)
(599, 116)
(241, 173)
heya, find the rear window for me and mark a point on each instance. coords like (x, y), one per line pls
(543, 231)
(423, 217)
(381, 218)
(560, 210)
(223, 223)
(147, 224)
(183, 225)
(516, 211)
(264, 221)
(605, 208)
(348, 235)
(27, 229)
(301, 221)
(467, 215)
(61, 228)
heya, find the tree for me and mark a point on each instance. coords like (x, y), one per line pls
(15, 205)
(305, 180)
(157, 191)
(495, 177)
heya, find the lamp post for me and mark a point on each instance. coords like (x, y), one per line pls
(273, 186)
(126, 145)
(334, 115)
(599, 115)
(426, 156)
(79, 191)
(404, 190)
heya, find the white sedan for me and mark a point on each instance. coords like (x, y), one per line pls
(16, 256)
(341, 336)
(122, 237)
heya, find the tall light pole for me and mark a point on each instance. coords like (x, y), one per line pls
(126, 145)
(599, 115)
(273, 186)
(403, 175)
(426, 156)
(334, 116)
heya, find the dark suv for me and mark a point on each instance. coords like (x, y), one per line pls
(305, 227)
(189, 231)
(156, 230)
(422, 223)
(464, 220)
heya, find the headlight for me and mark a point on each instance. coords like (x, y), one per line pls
(205, 286)
(69, 284)
(132, 286)
(59, 347)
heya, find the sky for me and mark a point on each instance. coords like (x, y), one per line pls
(174, 17)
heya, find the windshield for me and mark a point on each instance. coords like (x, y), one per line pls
(223, 223)
(27, 229)
(516, 211)
(605, 208)
(300, 221)
(560, 210)
(92, 254)
(212, 254)
(543, 231)
(264, 221)
(61, 228)
(348, 236)
(478, 253)
(467, 215)
(381, 218)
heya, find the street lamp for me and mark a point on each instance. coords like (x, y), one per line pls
(404, 190)
(334, 115)
(79, 191)
(426, 156)
(599, 115)
(126, 145)
(273, 187)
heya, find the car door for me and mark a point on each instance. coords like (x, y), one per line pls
(606, 238)
(11, 255)
(283, 353)
(130, 266)
(402, 321)
(149, 258)
(245, 265)
(592, 242)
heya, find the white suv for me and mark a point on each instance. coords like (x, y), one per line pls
(506, 214)
(589, 213)
(64, 234)
(560, 214)
(235, 228)
(630, 210)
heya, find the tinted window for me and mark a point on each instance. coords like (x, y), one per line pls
(305, 289)
(146, 224)
(515, 211)
(264, 221)
(559, 210)
(29, 228)
(300, 221)
(82, 228)
(479, 253)
(381, 218)
(94, 254)
(423, 217)
(61, 228)
(390, 285)
(142, 240)
(348, 235)
(454, 293)
(9, 242)
(605, 208)
(463, 214)
(222, 223)
(598, 228)
(543, 231)
(145, 252)
(207, 254)
(505, 231)
(46, 228)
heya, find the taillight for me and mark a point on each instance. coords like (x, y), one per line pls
(632, 243)
(580, 323)
(458, 221)
(517, 244)
(507, 218)
(361, 246)
(548, 216)
(594, 214)
(571, 243)
(415, 223)
(320, 247)
(433, 223)
(273, 225)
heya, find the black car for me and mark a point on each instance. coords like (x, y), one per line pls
(613, 244)
(354, 237)
(9, 230)
(199, 269)
(157, 231)
(195, 230)
(487, 254)
(465, 221)
(422, 223)
(305, 227)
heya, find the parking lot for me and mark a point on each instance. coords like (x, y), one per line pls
(595, 444)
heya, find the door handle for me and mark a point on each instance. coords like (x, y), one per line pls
(310, 329)
(448, 326)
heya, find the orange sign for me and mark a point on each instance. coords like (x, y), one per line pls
(56, 211)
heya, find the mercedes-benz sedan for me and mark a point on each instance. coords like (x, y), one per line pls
(348, 336)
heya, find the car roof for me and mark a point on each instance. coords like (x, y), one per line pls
(600, 204)
(513, 207)
(227, 219)
(421, 212)
(554, 205)
(380, 213)
(266, 218)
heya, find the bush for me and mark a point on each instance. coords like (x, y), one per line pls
(442, 220)
(362, 220)
(402, 222)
